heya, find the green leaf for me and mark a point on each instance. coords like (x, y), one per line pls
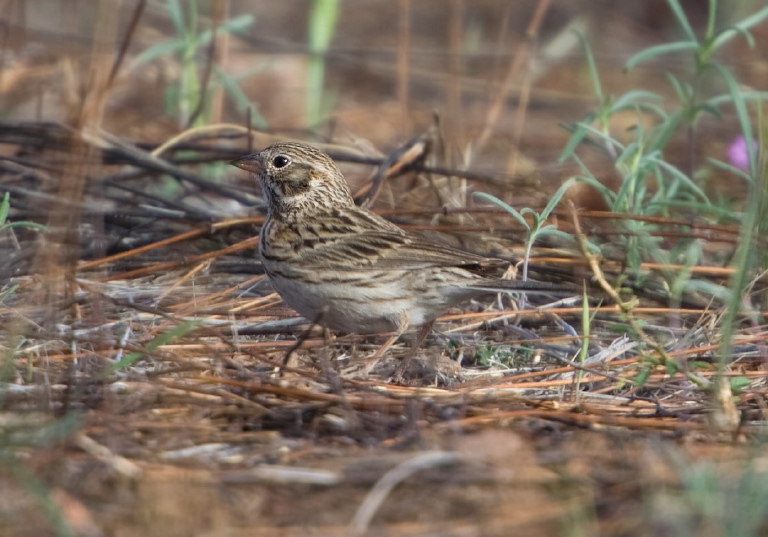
(665, 131)
(642, 377)
(5, 206)
(608, 195)
(5, 293)
(719, 292)
(593, 248)
(696, 206)
(738, 172)
(658, 50)
(237, 24)
(511, 210)
(742, 114)
(709, 109)
(556, 197)
(594, 76)
(671, 367)
(682, 19)
(738, 384)
(163, 339)
(712, 15)
(234, 25)
(24, 223)
(243, 103)
(578, 135)
(322, 24)
(157, 51)
(605, 137)
(636, 98)
(729, 33)
(741, 27)
(745, 95)
(680, 176)
(683, 92)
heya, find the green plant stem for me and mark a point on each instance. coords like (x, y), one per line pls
(322, 24)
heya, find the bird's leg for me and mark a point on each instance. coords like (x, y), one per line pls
(402, 327)
(304, 337)
(423, 333)
(380, 352)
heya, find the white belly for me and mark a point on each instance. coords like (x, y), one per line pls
(382, 306)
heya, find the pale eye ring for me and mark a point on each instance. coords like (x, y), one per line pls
(280, 161)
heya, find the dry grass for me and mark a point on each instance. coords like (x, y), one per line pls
(154, 384)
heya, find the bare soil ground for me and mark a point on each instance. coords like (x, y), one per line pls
(153, 383)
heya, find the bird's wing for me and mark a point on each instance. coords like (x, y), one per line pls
(370, 243)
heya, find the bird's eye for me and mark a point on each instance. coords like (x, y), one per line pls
(280, 161)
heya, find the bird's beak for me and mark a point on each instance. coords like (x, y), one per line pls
(249, 163)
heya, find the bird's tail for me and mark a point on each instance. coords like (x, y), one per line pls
(519, 286)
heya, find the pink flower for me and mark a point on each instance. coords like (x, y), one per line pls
(737, 153)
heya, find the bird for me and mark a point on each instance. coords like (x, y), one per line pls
(347, 268)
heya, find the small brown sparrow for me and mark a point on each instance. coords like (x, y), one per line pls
(349, 269)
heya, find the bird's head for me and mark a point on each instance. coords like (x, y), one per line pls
(297, 178)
